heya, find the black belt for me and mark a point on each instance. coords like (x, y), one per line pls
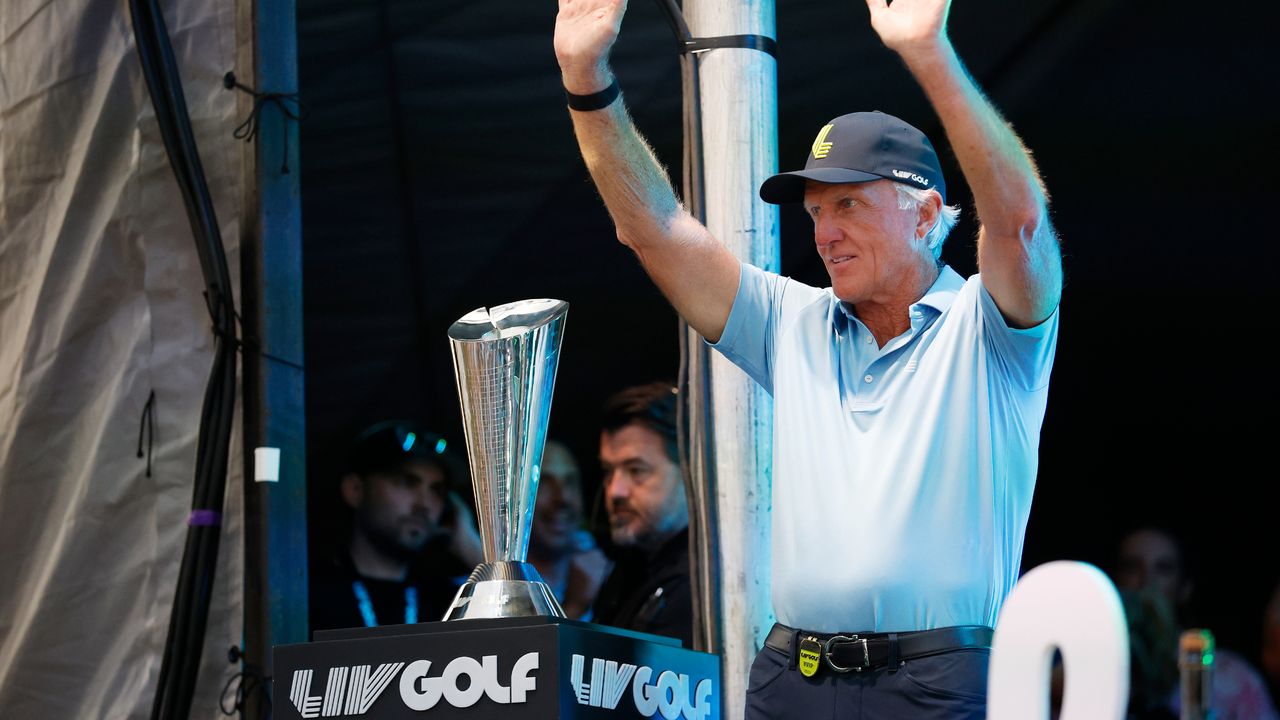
(855, 652)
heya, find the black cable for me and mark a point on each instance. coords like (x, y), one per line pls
(189, 616)
(694, 198)
(243, 685)
(675, 18)
(147, 430)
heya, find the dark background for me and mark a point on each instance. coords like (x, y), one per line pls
(440, 174)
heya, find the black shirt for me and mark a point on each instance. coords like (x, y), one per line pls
(650, 592)
(334, 598)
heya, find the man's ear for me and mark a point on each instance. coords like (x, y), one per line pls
(928, 216)
(352, 488)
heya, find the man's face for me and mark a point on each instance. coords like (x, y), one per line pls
(557, 513)
(868, 244)
(1149, 561)
(400, 511)
(644, 494)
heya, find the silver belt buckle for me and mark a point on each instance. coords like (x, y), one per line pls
(866, 654)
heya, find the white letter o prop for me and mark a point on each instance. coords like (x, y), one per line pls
(1073, 607)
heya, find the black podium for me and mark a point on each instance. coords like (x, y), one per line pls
(537, 668)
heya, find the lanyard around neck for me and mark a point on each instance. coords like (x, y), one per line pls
(365, 603)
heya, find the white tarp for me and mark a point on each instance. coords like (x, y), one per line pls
(100, 304)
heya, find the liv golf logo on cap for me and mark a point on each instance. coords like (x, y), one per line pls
(905, 175)
(822, 148)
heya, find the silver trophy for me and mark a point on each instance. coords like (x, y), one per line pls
(504, 359)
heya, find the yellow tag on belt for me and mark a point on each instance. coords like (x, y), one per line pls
(810, 654)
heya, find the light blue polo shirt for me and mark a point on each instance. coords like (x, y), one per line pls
(902, 476)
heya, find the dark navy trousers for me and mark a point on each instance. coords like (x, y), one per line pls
(939, 687)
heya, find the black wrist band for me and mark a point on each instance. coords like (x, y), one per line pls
(594, 101)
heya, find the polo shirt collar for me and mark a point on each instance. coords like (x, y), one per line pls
(939, 296)
(944, 290)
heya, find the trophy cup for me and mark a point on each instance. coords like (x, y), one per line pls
(504, 361)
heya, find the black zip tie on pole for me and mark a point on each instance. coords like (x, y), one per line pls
(687, 44)
(763, 43)
(248, 129)
(147, 429)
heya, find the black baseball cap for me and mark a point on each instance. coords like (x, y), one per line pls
(861, 147)
(385, 446)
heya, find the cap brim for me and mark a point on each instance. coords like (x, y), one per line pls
(788, 187)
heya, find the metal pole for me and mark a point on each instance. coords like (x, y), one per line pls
(738, 90)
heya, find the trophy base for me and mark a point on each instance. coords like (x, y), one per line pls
(503, 589)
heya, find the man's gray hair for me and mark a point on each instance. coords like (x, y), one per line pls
(912, 197)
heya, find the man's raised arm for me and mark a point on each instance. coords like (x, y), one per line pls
(1018, 253)
(697, 274)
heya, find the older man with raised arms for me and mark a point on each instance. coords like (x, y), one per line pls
(908, 400)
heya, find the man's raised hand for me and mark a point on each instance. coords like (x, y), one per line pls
(910, 26)
(585, 32)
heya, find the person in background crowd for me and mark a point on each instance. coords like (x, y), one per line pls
(563, 552)
(410, 537)
(1156, 587)
(648, 589)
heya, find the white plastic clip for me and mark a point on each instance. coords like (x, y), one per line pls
(266, 464)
